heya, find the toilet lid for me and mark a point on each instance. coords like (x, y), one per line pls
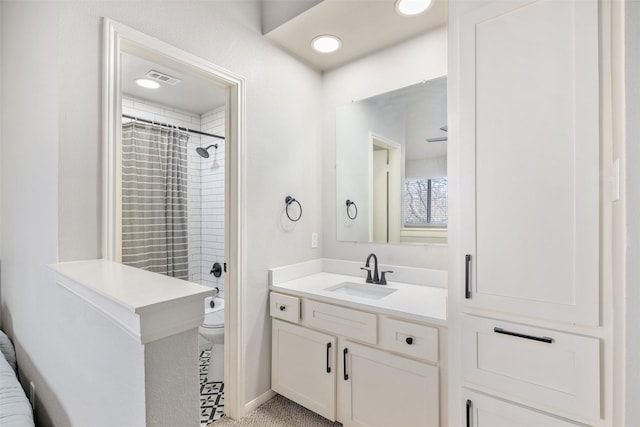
(214, 319)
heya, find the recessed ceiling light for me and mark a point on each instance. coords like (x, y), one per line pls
(412, 7)
(148, 84)
(326, 44)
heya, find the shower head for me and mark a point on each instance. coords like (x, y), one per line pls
(204, 152)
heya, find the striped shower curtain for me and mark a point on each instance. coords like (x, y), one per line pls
(154, 199)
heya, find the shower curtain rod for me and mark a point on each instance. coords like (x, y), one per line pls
(126, 116)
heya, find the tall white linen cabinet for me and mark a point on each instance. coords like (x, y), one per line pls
(531, 199)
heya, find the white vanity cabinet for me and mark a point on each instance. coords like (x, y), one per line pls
(358, 367)
(379, 389)
(530, 203)
(303, 367)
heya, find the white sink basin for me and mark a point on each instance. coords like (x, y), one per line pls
(361, 290)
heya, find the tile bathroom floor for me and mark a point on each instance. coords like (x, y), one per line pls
(211, 393)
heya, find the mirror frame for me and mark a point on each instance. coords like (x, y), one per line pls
(116, 39)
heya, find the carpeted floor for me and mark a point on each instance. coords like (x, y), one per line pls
(278, 412)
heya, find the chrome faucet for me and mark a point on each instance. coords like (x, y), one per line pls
(375, 278)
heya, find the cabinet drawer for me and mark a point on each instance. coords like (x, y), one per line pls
(409, 338)
(340, 321)
(285, 307)
(485, 411)
(544, 368)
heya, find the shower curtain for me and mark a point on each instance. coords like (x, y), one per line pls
(154, 199)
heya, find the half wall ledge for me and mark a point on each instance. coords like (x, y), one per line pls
(148, 306)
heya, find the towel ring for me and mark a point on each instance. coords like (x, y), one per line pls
(349, 204)
(289, 200)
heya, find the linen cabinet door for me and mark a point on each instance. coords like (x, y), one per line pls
(378, 389)
(303, 367)
(530, 187)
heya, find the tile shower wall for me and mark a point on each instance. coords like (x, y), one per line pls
(212, 192)
(206, 184)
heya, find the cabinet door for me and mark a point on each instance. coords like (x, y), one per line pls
(484, 411)
(303, 367)
(377, 389)
(530, 187)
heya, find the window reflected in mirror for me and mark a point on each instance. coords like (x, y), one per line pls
(425, 202)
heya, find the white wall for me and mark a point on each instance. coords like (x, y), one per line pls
(51, 159)
(277, 12)
(632, 182)
(436, 167)
(74, 366)
(29, 179)
(171, 382)
(421, 58)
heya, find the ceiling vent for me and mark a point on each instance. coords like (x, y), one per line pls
(162, 78)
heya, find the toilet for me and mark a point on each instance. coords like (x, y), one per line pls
(212, 330)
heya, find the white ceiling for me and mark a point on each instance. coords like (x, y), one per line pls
(191, 94)
(364, 26)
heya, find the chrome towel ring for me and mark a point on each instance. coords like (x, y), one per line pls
(349, 204)
(289, 200)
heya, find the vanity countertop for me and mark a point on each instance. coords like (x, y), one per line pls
(415, 302)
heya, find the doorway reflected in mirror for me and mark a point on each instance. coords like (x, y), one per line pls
(172, 196)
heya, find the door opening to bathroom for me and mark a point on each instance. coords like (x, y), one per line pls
(173, 176)
(173, 189)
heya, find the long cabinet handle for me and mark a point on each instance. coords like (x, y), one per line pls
(469, 407)
(344, 363)
(328, 349)
(467, 276)
(529, 337)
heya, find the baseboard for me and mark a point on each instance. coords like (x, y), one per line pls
(263, 398)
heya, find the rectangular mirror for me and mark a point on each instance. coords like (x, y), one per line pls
(391, 166)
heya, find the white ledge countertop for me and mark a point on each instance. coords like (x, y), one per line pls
(409, 301)
(149, 306)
